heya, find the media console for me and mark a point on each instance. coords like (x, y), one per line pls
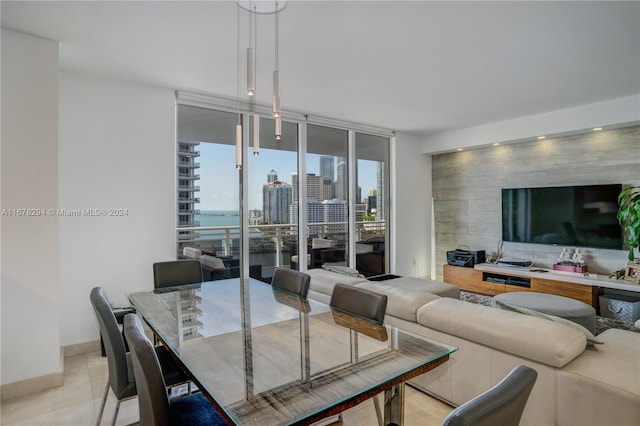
(491, 279)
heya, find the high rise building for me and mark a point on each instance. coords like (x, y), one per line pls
(381, 195)
(327, 164)
(327, 211)
(315, 187)
(342, 183)
(272, 176)
(276, 199)
(187, 177)
(336, 211)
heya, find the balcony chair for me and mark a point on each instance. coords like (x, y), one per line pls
(120, 378)
(176, 272)
(292, 281)
(362, 303)
(155, 408)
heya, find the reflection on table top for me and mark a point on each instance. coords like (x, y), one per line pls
(266, 357)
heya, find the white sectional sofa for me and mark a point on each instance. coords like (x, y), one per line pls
(578, 384)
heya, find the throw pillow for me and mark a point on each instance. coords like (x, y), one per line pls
(212, 262)
(591, 339)
(191, 252)
(345, 270)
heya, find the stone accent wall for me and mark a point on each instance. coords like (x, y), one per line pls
(467, 189)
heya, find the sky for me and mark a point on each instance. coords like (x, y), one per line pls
(219, 179)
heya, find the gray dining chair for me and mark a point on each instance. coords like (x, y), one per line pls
(155, 407)
(360, 302)
(121, 380)
(365, 304)
(292, 281)
(177, 272)
(502, 405)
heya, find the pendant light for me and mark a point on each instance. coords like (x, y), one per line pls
(257, 7)
(239, 123)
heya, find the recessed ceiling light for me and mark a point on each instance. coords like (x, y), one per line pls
(541, 137)
(595, 129)
(496, 144)
(459, 149)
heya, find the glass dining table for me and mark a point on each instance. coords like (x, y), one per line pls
(266, 357)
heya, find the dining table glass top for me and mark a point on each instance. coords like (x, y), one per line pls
(265, 356)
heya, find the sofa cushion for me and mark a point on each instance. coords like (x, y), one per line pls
(602, 386)
(401, 302)
(323, 281)
(533, 338)
(435, 287)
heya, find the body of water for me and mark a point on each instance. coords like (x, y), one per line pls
(218, 218)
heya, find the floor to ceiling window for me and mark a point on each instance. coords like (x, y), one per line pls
(272, 193)
(372, 204)
(327, 200)
(207, 182)
(324, 185)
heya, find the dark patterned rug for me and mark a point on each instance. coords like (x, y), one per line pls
(602, 324)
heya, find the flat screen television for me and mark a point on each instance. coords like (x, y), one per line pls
(580, 216)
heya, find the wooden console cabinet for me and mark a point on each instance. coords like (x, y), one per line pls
(475, 280)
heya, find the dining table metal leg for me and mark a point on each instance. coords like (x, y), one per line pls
(394, 405)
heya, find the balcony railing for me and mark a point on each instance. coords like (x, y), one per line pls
(268, 242)
(188, 164)
(188, 177)
(188, 188)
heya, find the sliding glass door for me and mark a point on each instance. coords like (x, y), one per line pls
(372, 204)
(272, 195)
(327, 196)
(318, 195)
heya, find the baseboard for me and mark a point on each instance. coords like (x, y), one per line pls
(81, 348)
(48, 381)
(28, 386)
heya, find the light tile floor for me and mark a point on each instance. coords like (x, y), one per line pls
(77, 402)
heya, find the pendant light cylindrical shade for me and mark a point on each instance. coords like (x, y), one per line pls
(276, 94)
(278, 128)
(238, 146)
(256, 135)
(250, 72)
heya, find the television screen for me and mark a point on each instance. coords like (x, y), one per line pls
(580, 216)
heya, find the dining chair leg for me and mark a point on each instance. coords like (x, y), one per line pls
(104, 400)
(376, 404)
(115, 416)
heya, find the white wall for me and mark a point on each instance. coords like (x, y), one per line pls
(411, 201)
(117, 151)
(29, 262)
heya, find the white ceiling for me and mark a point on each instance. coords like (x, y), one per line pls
(418, 67)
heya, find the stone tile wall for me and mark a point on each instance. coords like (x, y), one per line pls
(467, 189)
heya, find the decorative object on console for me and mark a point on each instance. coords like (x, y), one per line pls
(568, 262)
(632, 273)
(629, 217)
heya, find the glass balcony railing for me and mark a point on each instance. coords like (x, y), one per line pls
(272, 246)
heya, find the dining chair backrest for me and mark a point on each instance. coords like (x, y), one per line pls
(177, 272)
(360, 302)
(152, 395)
(502, 405)
(120, 380)
(292, 281)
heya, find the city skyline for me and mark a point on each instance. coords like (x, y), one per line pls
(219, 185)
